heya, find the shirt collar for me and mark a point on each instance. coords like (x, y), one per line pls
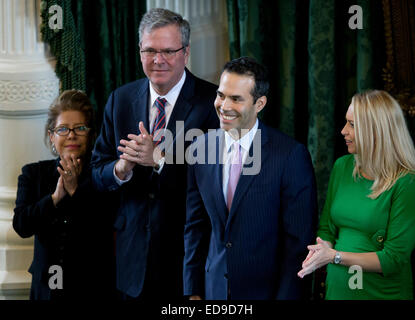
(172, 95)
(245, 142)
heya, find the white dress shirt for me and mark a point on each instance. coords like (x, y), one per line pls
(171, 98)
(245, 143)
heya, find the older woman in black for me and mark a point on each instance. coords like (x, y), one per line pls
(58, 205)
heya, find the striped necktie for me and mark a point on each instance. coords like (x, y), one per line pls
(160, 122)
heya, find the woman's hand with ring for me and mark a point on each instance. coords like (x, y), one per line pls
(71, 170)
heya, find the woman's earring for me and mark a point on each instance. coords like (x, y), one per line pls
(54, 148)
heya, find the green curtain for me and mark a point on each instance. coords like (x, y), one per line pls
(97, 49)
(316, 63)
(64, 45)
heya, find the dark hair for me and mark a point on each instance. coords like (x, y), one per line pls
(158, 18)
(71, 100)
(250, 67)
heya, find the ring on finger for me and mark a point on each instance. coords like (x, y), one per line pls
(69, 173)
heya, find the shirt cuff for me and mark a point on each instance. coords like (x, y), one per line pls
(161, 165)
(119, 181)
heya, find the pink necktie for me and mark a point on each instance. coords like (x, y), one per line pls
(234, 173)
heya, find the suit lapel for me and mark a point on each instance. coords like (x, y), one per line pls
(246, 180)
(183, 104)
(140, 107)
(216, 171)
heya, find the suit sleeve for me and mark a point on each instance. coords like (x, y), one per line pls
(196, 239)
(327, 230)
(31, 213)
(105, 155)
(400, 240)
(299, 218)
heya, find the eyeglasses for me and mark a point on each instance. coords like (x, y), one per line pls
(166, 54)
(64, 131)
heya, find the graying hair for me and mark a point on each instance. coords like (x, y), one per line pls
(157, 18)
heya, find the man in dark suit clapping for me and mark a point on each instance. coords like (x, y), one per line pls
(130, 157)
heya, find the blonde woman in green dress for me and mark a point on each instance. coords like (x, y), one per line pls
(367, 228)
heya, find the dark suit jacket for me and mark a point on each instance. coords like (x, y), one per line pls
(151, 215)
(77, 235)
(256, 250)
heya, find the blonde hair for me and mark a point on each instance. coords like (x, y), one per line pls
(384, 148)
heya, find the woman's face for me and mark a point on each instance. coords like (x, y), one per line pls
(348, 131)
(70, 143)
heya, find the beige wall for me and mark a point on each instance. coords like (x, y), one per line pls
(209, 34)
(27, 87)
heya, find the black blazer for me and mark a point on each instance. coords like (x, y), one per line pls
(76, 235)
(151, 216)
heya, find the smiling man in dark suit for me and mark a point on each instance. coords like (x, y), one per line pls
(247, 226)
(129, 158)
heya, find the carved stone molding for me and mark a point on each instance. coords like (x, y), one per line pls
(28, 85)
(28, 91)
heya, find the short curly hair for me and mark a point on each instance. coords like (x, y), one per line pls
(71, 100)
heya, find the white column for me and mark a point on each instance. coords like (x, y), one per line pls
(209, 39)
(28, 85)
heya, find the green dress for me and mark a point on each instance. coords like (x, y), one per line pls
(353, 222)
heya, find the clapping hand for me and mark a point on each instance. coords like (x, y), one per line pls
(71, 169)
(318, 256)
(68, 180)
(59, 193)
(138, 150)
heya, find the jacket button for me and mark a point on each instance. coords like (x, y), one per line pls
(151, 195)
(379, 239)
(228, 245)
